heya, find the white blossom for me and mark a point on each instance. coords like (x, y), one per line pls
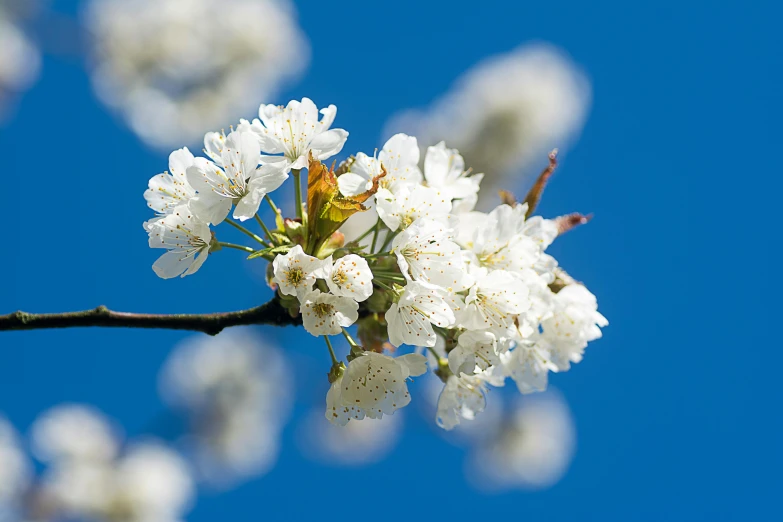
(533, 449)
(529, 365)
(462, 397)
(327, 314)
(295, 272)
(399, 157)
(186, 238)
(506, 112)
(574, 323)
(376, 384)
(493, 301)
(74, 431)
(425, 252)
(444, 169)
(20, 62)
(409, 204)
(16, 470)
(240, 181)
(171, 189)
(294, 131)
(475, 349)
(410, 319)
(236, 391)
(349, 276)
(174, 69)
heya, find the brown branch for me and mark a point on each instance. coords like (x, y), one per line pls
(571, 221)
(271, 313)
(534, 196)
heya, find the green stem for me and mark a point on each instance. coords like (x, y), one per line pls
(369, 231)
(297, 192)
(266, 230)
(272, 205)
(237, 247)
(331, 350)
(246, 231)
(389, 238)
(349, 338)
(382, 285)
(375, 235)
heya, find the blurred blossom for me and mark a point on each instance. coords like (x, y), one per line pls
(532, 449)
(74, 431)
(15, 470)
(506, 113)
(20, 59)
(236, 391)
(355, 444)
(149, 482)
(175, 69)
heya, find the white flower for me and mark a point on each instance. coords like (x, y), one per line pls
(296, 272)
(505, 240)
(462, 397)
(169, 190)
(74, 432)
(400, 158)
(444, 169)
(529, 365)
(185, 237)
(420, 306)
(377, 384)
(295, 132)
(338, 412)
(327, 314)
(506, 112)
(240, 181)
(349, 276)
(16, 470)
(155, 483)
(574, 323)
(176, 68)
(425, 252)
(409, 204)
(20, 61)
(494, 301)
(475, 349)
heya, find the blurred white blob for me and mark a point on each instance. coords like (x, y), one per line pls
(505, 113)
(532, 449)
(20, 61)
(148, 483)
(237, 392)
(359, 443)
(15, 470)
(175, 69)
(89, 476)
(74, 431)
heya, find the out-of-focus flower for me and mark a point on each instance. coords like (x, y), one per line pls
(532, 449)
(505, 112)
(236, 392)
(356, 444)
(149, 482)
(175, 69)
(20, 60)
(15, 470)
(74, 431)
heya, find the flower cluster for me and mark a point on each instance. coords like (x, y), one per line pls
(476, 290)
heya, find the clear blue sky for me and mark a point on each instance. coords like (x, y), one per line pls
(678, 407)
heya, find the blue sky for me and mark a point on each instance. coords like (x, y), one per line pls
(676, 409)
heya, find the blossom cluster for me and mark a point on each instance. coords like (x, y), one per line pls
(476, 290)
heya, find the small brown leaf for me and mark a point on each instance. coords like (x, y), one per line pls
(537, 190)
(571, 221)
(508, 198)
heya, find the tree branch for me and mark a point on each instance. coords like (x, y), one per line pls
(271, 313)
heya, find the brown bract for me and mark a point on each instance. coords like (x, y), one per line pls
(327, 209)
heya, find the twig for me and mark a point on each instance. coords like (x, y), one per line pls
(534, 196)
(271, 313)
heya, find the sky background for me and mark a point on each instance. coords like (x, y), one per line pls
(677, 408)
